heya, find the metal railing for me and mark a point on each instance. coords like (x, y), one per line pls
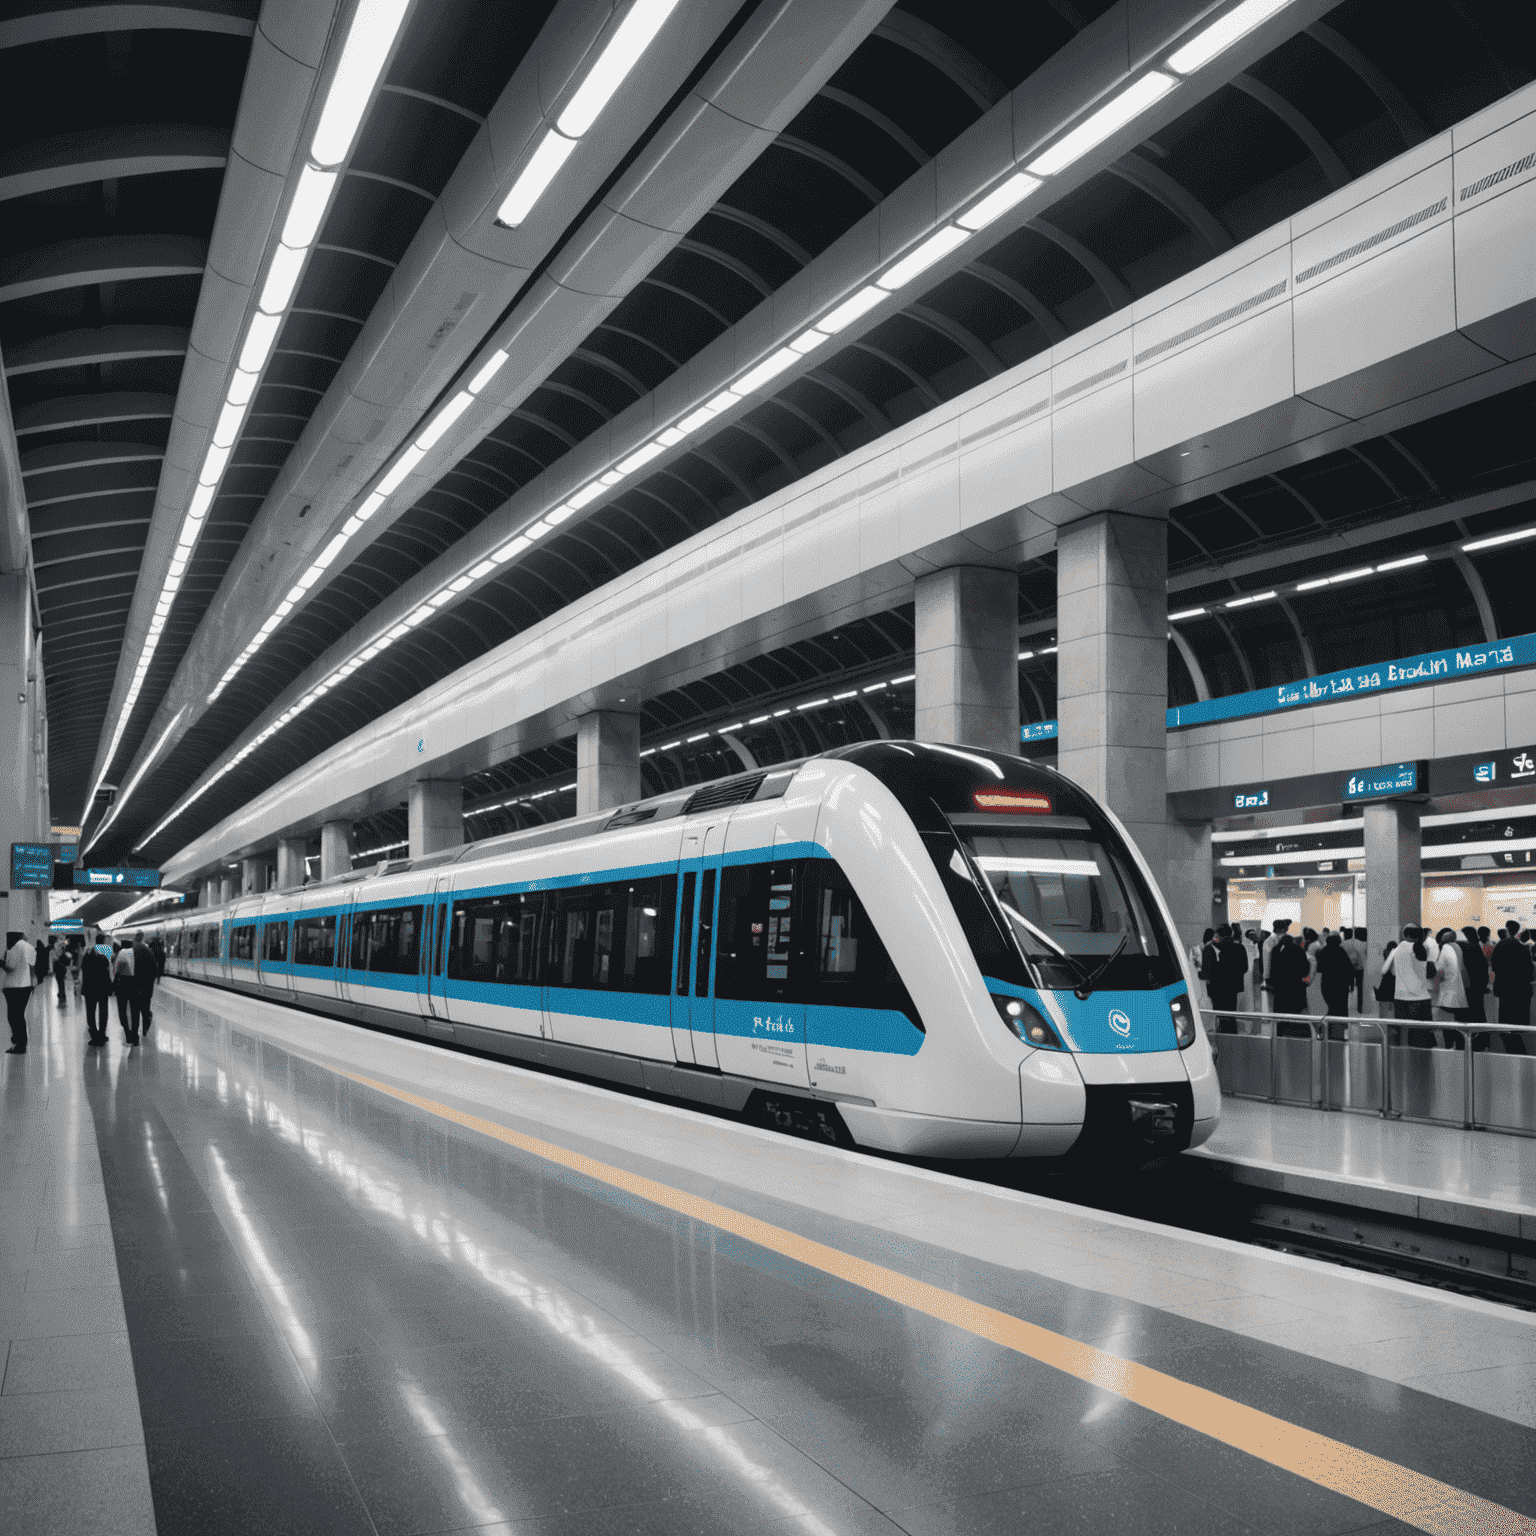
(1368, 1065)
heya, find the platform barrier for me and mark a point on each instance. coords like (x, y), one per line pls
(1381, 1066)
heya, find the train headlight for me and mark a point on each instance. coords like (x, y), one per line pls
(1183, 1020)
(1026, 1021)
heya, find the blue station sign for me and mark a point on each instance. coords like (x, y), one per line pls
(31, 866)
(1382, 783)
(119, 879)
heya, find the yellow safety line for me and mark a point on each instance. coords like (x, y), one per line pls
(1395, 1490)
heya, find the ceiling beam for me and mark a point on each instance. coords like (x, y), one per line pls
(102, 259)
(89, 349)
(47, 23)
(101, 154)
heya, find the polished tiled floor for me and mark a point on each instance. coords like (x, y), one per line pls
(345, 1315)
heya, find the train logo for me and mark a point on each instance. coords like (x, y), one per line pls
(1119, 1022)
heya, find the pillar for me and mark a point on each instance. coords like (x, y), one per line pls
(1112, 671)
(1393, 879)
(337, 845)
(22, 815)
(1196, 900)
(967, 658)
(607, 760)
(290, 863)
(253, 875)
(435, 816)
(226, 890)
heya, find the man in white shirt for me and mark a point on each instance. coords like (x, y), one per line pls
(1355, 949)
(20, 958)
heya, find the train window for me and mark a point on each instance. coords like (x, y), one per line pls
(706, 934)
(495, 938)
(242, 943)
(853, 968)
(613, 937)
(314, 940)
(756, 960)
(1075, 907)
(387, 940)
(274, 943)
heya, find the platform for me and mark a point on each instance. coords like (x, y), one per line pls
(1484, 1181)
(371, 1285)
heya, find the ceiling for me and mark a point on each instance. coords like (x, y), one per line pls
(1335, 100)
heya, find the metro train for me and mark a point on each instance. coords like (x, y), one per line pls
(927, 950)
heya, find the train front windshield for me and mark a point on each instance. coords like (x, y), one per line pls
(1078, 912)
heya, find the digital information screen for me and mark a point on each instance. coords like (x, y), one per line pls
(31, 866)
(122, 879)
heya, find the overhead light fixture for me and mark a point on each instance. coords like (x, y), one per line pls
(369, 40)
(310, 199)
(1497, 539)
(998, 201)
(1185, 613)
(444, 419)
(850, 310)
(488, 371)
(1253, 597)
(1397, 565)
(620, 55)
(1100, 125)
(937, 246)
(1222, 34)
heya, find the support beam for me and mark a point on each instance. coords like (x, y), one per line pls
(1393, 878)
(338, 842)
(290, 863)
(1112, 670)
(21, 791)
(253, 875)
(436, 816)
(226, 890)
(967, 658)
(607, 760)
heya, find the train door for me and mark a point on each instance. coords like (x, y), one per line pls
(693, 1010)
(434, 947)
(344, 949)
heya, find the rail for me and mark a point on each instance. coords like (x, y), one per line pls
(1381, 1066)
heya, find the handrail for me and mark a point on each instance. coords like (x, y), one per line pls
(1318, 1034)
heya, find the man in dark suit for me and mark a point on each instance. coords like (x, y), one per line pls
(146, 972)
(1512, 978)
(96, 988)
(1225, 978)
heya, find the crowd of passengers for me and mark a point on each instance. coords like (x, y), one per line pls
(1446, 976)
(124, 971)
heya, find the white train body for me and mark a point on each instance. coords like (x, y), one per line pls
(836, 944)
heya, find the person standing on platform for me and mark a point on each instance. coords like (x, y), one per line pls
(20, 974)
(1474, 965)
(146, 972)
(1205, 961)
(1512, 976)
(96, 988)
(1354, 947)
(1225, 979)
(60, 966)
(1411, 965)
(1288, 978)
(127, 992)
(1450, 985)
(1271, 944)
(1336, 973)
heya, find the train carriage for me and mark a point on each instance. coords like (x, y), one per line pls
(923, 949)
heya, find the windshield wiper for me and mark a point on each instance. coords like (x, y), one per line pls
(1084, 989)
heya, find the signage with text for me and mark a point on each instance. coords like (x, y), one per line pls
(1380, 783)
(120, 879)
(31, 866)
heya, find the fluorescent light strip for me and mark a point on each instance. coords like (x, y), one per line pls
(370, 38)
(623, 51)
(1107, 121)
(1185, 613)
(1497, 539)
(1222, 34)
(1253, 597)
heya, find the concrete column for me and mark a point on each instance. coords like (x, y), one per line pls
(290, 863)
(1112, 671)
(435, 816)
(967, 658)
(607, 760)
(253, 875)
(227, 890)
(1393, 879)
(1195, 899)
(338, 842)
(23, 818)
